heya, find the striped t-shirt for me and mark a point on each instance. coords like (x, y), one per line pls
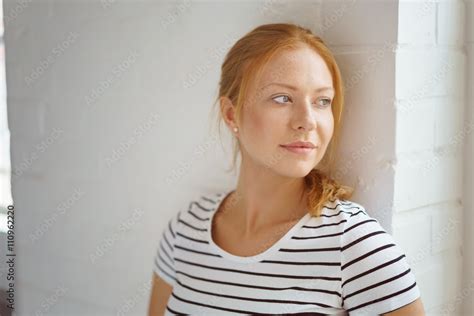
(342, 262)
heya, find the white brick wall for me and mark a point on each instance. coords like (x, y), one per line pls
(430, 94)
(100, 70)
(466, 295)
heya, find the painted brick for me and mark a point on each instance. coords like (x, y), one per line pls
(451, 23)
(419, 13)
(414, 130)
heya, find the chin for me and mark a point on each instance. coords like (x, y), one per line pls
(295, 170)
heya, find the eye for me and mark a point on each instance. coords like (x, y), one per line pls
(281, 96)
(328, 102)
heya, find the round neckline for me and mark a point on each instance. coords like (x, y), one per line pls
(255, 258)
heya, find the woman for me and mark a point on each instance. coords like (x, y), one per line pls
(287, 240)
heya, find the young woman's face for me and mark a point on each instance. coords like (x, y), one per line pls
(291, 102)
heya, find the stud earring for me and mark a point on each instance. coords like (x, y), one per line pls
(235, 129)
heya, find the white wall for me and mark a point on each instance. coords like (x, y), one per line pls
(430, 97)
(466, 295)
(365, 50)
(110, 132)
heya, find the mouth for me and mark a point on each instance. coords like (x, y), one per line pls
(299, 149)
(300, 144)
(287, 146)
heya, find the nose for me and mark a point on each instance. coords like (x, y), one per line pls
(303, 116)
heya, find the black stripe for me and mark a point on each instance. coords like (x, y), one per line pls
(345, 202)
(191, 226)
(262, 274)
(324, 225)
(199, 252)
(297, 288)
(170, 266)
(167, 242)
(383, 298)
(358, 224)
(377, 284)
(251, 299)
(166, 253)
(341, 211)
(174, 312)
(199, 206)
(361, 211)
(303, 263)
(362, 238)
(193, 239)
(161, 269)
(208, 199)
(210, 306)
(366, 255)
(197, 217)
(372, 270)
(317, 237)
(340, 204)
(311, 249)
(170, 228)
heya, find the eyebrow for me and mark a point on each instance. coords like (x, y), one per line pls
(294, 88)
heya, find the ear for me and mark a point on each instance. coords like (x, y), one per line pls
(228, 112)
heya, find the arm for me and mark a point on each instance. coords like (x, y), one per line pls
(415, 308)
(160, 293)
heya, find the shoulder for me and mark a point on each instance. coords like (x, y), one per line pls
(363, 237)
(354, 222)
(196, 209)
(375, 275)
(346, 211)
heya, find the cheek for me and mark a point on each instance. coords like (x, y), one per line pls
(326, 127)
(262, 126)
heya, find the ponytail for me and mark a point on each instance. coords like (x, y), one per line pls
(322, 189)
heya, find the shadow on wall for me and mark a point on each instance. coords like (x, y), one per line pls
(4, 310)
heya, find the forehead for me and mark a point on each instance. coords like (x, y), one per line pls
(297, 66)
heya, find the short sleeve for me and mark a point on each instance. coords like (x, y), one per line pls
(164, 256)
(376, 277)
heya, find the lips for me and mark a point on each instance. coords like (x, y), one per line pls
(300, 144)
(299, 149)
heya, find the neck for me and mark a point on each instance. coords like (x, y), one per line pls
(264, 199)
